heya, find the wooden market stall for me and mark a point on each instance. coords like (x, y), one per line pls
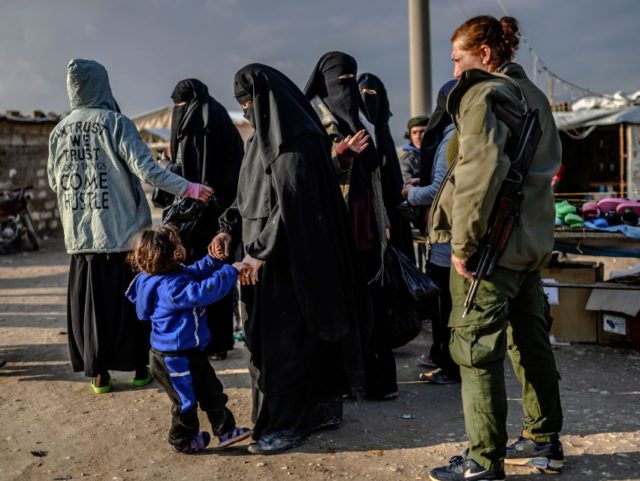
(601, 153)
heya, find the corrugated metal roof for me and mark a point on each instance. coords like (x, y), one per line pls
(48, 118)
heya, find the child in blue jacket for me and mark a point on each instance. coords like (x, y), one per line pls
(173, 296)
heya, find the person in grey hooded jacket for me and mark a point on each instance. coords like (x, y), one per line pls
(96, 163)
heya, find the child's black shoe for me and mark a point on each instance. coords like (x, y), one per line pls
(197, 444)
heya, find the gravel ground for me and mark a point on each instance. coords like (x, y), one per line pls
(54, 428)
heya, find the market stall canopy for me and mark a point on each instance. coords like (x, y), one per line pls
(594, 117)
(164, 134)
(155, 125)
(614, 109)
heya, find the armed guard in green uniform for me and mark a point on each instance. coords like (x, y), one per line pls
(508, 313)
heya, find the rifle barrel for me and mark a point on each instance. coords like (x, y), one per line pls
(468, 302)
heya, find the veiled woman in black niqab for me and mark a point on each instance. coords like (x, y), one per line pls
(333, 92)
(208, 149)
(310, 304)
(376, 101)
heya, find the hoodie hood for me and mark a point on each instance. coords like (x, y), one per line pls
(409, 147)
(88, 86)
(143, 293)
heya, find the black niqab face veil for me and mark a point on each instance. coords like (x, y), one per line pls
(183, 119)
(334, 81)
(278, 112)
(375, 99)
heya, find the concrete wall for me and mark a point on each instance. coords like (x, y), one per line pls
(23, 161)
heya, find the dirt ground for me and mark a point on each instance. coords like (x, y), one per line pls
(52, 427)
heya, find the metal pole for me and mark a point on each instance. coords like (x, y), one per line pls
(623, 172)
(419, 57)
(594, 285)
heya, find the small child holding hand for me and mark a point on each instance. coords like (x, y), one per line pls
(173, 297)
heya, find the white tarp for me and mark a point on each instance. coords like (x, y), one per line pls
(588, 118)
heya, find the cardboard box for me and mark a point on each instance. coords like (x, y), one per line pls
(619, 323)
(572, 322)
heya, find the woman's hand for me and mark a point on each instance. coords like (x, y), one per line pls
(358, 142)
(219, 246)
(199, 192)
(412, 181)
(405, 191)
(250, 278)
(243, 270)
(460, 266)
(205, 192)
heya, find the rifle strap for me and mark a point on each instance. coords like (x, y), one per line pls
(523, 100)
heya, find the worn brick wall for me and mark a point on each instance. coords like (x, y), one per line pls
(24, 148)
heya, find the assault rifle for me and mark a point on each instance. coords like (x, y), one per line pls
(521, 147)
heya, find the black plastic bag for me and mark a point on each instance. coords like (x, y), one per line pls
(404, 321)
(405, 286)
(417, 284)
(184, 214)
(161, 198)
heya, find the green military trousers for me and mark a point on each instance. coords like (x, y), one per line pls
(509, 315)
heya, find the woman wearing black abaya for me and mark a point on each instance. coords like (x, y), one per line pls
(333, 92)
(208, 148)
(422, 192)
(310, 304)
(376, 101)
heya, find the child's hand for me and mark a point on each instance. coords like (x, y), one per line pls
(240, 267)
(254, 266)
(219, 247)
(244, 271)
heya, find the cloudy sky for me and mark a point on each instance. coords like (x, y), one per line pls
(148, 45)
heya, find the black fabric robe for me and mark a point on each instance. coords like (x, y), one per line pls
(379, 113)
(334, 81)
(205, 140)
(310, 310)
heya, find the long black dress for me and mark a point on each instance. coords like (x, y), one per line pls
(310, 308)
(333, 83)
(376, 101)
(204, 139)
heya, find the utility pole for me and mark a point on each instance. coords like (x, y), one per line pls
(419, 57)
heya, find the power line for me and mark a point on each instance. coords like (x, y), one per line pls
(538, 61)
(458, 5)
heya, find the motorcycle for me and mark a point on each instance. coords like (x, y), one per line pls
(16, 226)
